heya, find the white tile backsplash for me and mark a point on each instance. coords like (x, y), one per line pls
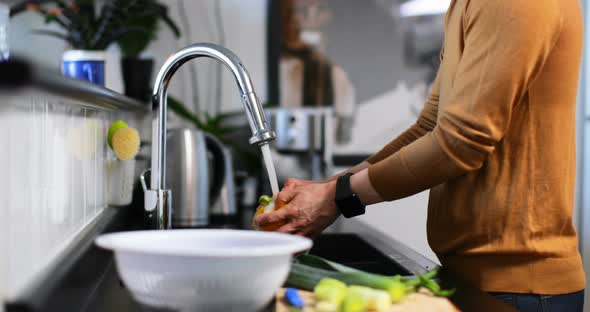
(53, 159)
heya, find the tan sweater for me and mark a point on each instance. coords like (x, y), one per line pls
(495, 144)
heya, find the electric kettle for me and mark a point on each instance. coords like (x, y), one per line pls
(197, 171)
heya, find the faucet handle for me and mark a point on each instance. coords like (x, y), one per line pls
(150, 196)
(142, 179)
(154, 199)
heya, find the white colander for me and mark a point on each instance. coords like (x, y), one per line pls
(203, 270)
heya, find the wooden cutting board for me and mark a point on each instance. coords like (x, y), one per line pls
(420, 301)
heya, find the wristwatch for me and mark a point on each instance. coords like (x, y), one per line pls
(347, 202)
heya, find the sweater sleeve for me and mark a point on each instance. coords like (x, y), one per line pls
(505, 47)
(425, 123)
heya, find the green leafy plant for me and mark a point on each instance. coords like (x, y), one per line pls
(133, 44)
(215, 125)
(85, 29)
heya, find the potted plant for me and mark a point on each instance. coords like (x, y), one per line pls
(89, 29)
(137, 70)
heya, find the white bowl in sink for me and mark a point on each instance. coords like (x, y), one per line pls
(203, 270)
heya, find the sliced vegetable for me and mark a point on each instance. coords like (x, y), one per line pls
(332, 282)
(380, 301)
(397, 291)
(330, 290)
(395, 288)
(324, 306)
(377, 300)
(354, 303)
(360, 290)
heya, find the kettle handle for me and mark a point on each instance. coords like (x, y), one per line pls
(216, 148)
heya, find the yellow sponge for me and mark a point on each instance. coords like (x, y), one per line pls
(126, 143)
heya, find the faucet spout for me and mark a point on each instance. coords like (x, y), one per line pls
(158, 200)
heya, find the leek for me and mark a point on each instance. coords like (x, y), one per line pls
(354, 303)
(330, 290)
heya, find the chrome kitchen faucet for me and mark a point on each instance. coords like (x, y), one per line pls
(158, 199)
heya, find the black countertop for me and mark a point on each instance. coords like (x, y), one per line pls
(87, 280)
(111, 295)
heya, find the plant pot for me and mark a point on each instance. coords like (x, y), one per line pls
(137, 75)
(85, 65)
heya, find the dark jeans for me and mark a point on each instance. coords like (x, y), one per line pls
(572, 302)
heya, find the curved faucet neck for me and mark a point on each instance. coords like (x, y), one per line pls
(261, 134)
(228, 58)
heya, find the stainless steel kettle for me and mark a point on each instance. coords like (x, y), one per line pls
(195, 178)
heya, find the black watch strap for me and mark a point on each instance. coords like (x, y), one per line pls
(347, 202)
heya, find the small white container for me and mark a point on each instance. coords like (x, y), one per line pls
(120, 179)
(203, 270)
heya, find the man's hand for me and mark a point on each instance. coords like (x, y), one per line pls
(292, 183)
(310, 208)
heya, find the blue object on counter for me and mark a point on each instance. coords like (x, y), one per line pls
(85, 65)
(293, 298)
(92, 71)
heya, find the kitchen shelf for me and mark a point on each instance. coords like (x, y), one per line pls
(21, 74)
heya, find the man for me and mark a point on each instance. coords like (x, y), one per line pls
(495, 144)
(307, 76)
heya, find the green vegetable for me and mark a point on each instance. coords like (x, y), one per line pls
(395, 288)
(321, 263)
(306, 277)
(412, 283)
(332, 282)
(431, 274)
(354, 303)
(380, 301)
(377, 300)
(397, 291)
(434, 287)
(307, 271)
(264, 200)
(330, 290)
(324, 306)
